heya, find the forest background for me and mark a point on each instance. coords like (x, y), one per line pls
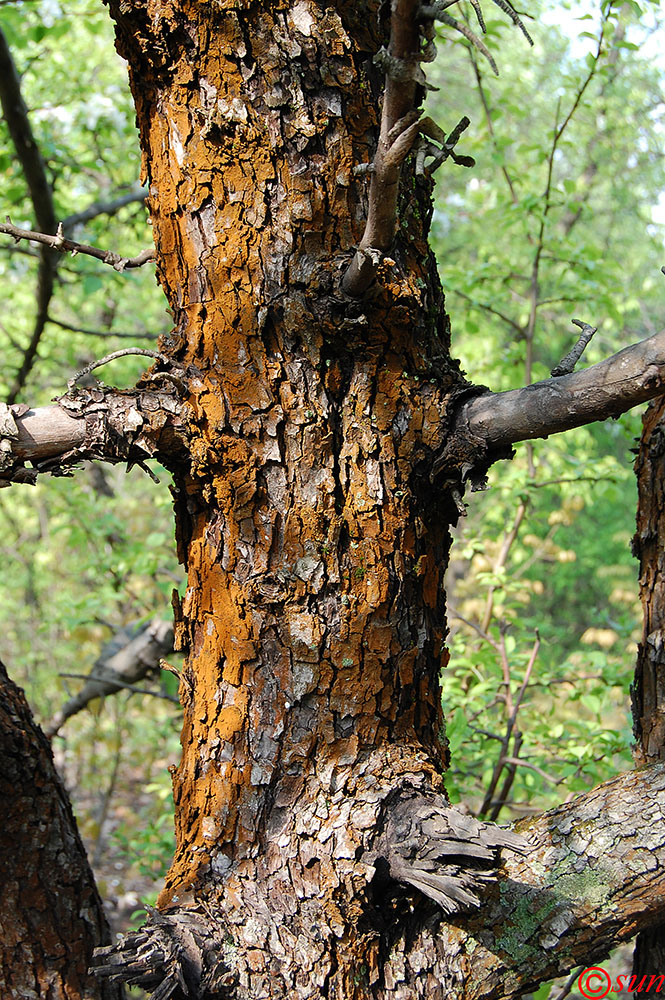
(560, 218)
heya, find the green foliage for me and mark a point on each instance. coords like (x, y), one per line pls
(553, 223)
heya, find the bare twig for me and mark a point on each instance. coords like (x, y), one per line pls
(136, 194)
(520, 762)
(568, 985)
(509, 539)
(567, 363)
(511, 770)
(470, 36)
(115, 684)
(490, 123)
(125, 352)
(101, 333)
(513, 710)
(63, 245)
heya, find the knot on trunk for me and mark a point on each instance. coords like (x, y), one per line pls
(448, 855)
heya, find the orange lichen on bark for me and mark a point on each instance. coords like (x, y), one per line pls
(312, 620)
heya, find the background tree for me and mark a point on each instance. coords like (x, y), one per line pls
(390, 306)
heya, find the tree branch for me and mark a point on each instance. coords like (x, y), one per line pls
(95, 422)
(398, 105)
(634, 375)
(135, 194)
(63, 245)
(116, 668)
(594, 877)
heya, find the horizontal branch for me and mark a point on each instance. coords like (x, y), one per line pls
(92, 423)
(64, 245)
(632, 376)
(45, 432)
(594, 877)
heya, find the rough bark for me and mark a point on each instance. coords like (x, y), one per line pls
(648, 690)
(315, 534)
(594, 875)
(51, 917)
(313, 620)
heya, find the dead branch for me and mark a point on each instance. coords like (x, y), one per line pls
(126, 659)
(63, 245)
(95, 422)
(568, 362)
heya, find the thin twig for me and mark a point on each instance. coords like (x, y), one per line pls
(136, 194)
(453, 613)
(491, 310)
(520, 762)
(503, 759)
(568, 985)
(509, 540)
(100, 333)
(568, 362)
(490, 124)
(112, 679)
(63, 245)
(141, 351)
(511, 771)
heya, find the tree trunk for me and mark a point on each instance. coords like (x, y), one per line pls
(648, 690)
(314, 540)
(315, 535)
(51, 917)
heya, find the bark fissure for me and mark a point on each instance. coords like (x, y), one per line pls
(315, 533)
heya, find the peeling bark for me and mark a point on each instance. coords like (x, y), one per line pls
(313, 620)
(649, 686)
(51, 916)
(92, 423)
(593, 876)
(648, 691)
